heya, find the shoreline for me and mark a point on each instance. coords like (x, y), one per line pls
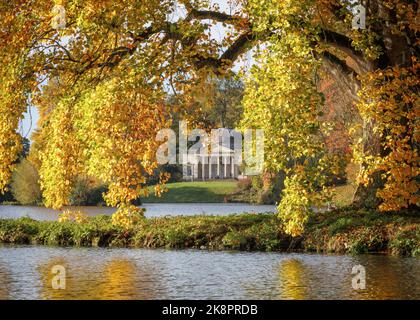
(343, 231)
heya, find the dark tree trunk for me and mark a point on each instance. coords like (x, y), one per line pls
(365, 195)
(396, 48)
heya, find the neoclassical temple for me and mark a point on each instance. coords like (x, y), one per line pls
(212, 166)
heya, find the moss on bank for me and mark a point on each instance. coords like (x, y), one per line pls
(341, 231)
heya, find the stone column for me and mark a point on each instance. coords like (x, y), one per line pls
(210, 158)
(203, 169)
(232, 167)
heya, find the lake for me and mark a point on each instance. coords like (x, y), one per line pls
(152, 210)
(117, 273)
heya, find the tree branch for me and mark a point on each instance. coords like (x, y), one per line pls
(232, 53)
(212, 15)
(171, 31)
(344, 44)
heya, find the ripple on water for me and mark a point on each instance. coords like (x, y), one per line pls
(105, 273)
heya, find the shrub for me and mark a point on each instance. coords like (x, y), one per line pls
(267, 237)
(267, 189)
(343, 224)
(234, 240)
(242, 232)
(367, 240)
(176, 237)
(244, 184)
(407, 242)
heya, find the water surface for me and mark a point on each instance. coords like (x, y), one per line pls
(152, 210)
(106, 273)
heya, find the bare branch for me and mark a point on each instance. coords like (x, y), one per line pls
(212, 15)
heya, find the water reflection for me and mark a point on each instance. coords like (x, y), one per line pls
(99, 273)
(330, 277)
(293, 278)
(388, 278)
(46, 274)
(118, 279)
(4, 283)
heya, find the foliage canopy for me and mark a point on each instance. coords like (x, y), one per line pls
(101, 82)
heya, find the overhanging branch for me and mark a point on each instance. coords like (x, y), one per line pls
(344, 44)
(232, 53)
(212, 15)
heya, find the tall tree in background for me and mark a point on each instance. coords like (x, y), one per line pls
(219, 103)
(9, 194)
(25, 183)
(106, 45)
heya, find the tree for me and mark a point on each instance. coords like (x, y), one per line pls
(218, 104)
(105, 45)
(25, 183)
(8, 195)
(375, 67)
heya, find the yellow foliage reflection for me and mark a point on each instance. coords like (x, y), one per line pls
(4, 284)
(118, 279)
(292, 278)
(383, 279)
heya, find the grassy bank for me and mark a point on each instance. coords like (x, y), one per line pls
(194, 192)
(179, 192)
(345, 231)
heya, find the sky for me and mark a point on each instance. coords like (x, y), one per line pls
(29, 122)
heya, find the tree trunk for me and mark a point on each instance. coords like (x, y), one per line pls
(365, 196)
(396, 49)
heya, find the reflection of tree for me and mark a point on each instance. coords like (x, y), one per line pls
(4, 284)
(292, 278)
(117, 279)
(386, 278)
(120, 281)
(47, 292)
